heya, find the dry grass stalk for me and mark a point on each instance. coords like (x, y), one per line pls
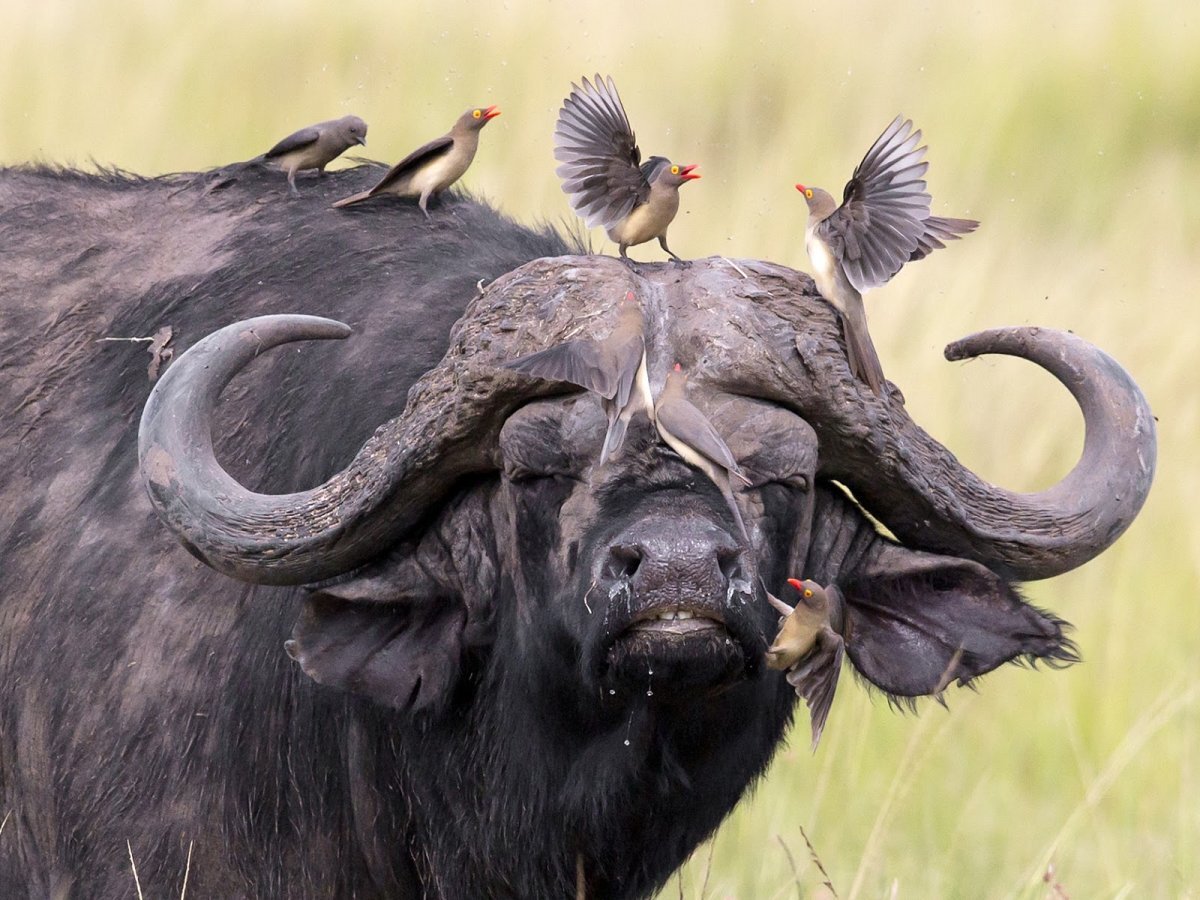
(136, 881)
(812, 852)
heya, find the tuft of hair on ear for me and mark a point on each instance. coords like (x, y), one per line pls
(923, 622)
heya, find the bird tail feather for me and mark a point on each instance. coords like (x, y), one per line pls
(938, 230)
(950, 229)
(352, 199)
(614, 438)
(864, 361)
(727, 490)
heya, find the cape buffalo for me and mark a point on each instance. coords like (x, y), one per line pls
(455, 667)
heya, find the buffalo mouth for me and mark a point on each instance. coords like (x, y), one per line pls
(675, 649)
(677, 621)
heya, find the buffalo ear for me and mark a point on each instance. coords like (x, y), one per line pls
(914, 622)
(367, 637)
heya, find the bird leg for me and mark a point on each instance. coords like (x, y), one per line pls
(632, 263)
(292, 183)
(662, 242)
(423, 201)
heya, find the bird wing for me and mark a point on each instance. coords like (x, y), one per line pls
(937, 231)
(881, 220)
(419, 157)
(295, 141)
(627, 357)
(627, 360)
(815, 678)
(582, 363)
(599, 154)
(682, 419)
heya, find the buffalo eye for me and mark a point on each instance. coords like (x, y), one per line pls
(793, 481)
(522, 474)
(797, 481)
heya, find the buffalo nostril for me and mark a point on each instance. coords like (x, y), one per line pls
(623, 561)
(730, 563)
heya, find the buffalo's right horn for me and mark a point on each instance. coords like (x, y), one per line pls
(930, 500)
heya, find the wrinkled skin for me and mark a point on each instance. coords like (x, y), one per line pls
(478, 700)
(580, 553)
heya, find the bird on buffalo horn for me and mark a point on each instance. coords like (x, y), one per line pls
(614, 368)
(316, 146)
(882, 223)
(434, 166)
(808, 648)
(688, 432)
(603, 174)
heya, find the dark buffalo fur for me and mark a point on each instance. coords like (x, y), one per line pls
(148, 707)
(136, 679)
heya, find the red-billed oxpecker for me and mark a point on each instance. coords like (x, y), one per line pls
(883, 223)
(433, 167)
(614, 368)
(686, 431)
(808, 649)
(316, 146)
(603, 173)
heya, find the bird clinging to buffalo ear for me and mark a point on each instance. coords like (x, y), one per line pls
(433, 167)
(316, 146)
(614, 368)
(808, 649)
(603, 174)
(688, 432)
(883, 223)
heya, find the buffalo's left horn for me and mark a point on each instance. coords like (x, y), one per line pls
(310, 535)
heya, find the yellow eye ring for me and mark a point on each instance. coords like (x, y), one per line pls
(477, 113)
(674, 170)
(807, 593)
(808, 193)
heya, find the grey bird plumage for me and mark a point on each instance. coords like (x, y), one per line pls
(688, 432)
(808, 648)
(614, 368)
(882, 223)
(316, 146)
(603, 174)
(434, 166)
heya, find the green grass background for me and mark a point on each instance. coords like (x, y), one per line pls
(1072, 130)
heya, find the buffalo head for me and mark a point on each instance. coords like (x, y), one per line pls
(476, 545)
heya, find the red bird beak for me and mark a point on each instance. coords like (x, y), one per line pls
(797, 584)
(801, 188)
(687, 174)
(491, 112)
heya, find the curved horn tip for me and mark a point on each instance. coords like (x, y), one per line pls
(288, 327)
(984, 342)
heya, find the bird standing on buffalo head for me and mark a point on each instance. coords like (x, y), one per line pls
(883, 223)
(809, 649)
(603, 173)
(688, 432)
(316, 146)
(433, 167)
(614, 368)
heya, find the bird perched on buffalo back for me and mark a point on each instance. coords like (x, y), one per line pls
(432, 167)
(688, 432)
(882, 223)
(316, 146)
(603, 173)
(808, 648)
(614, 368)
